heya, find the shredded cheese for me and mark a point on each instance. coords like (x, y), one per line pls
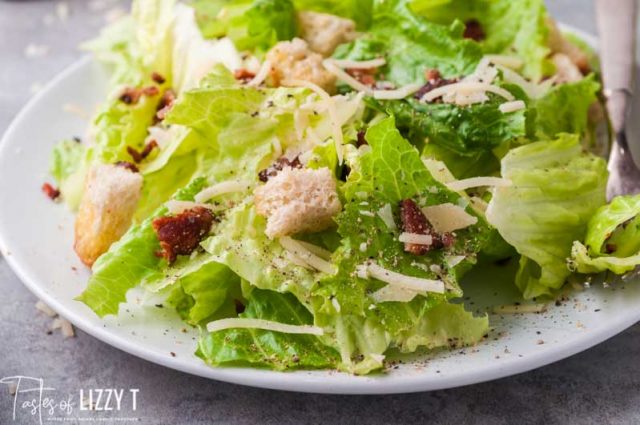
(514, 106)
(262, 74)
(393, 294)
(345, 77)
(297, 249)
(267, 325)
(466, 88)
(386, 215)
(222, 188)
(448, 217)
(399, 93)
(402, 281)
(460, 185)
(415, 238)
(350, 64)
(315, 249)
(46, 309)
(454, 260)
(511, 62)
(177, 207)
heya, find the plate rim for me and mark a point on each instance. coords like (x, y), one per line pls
(298, 381)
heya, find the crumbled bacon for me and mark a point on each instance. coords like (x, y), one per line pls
(182, 233)
(434, 81)
(361, 140)
(158, 78)
(280, 163)
(131, 95)
(365, 75)
(165, 105)
(129, 166)
(140, 156)
(51, 192)
(473, 30)
(243, 75)
(414, 221)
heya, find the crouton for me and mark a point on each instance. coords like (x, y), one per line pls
(325, 32)
(107, 207)
(292, 60)
(566, 70)
(298, 200)
(559, 44)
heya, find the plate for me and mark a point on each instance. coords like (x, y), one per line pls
(36, 240)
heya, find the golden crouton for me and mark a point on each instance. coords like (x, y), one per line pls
(559, 44)
(107, 206)
(325, 32)
(298, 200)
(292, 60)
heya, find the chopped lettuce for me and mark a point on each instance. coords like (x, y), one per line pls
(256, 25)
(411, 45)
(260, 348)
(510, 27)
(358, 11)
(67, 167)
(564, 109)
(555, 190)
(612, 241)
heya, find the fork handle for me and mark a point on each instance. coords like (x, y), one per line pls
(617, 21)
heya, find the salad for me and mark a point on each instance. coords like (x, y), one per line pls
(308, 182)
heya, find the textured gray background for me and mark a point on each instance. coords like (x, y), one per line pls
(600, 386)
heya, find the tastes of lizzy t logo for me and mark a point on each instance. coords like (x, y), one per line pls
(35, 402)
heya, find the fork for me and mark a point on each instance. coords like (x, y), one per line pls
(617, 22)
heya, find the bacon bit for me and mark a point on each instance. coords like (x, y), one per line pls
(140, 156)
(361, 140)
(129, 166)
(473, 30)
(158, 78)
(182, 233)
(51, 192)
(165, 105)
(280, 163)
(414, 221)
(243, 75)
(131, 95)
(434, 81)
(365, 76)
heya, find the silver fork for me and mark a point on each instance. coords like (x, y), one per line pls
(616, 21)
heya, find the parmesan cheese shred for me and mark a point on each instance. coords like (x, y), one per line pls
(460, 185)
(297, 249)
(267, 325)
(398, 280)
(222, 188)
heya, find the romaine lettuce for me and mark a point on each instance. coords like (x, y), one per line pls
(555, 190)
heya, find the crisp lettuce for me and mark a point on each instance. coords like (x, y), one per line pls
(260, 348)
(411, 45)
(564, 109)
(67, 166)
(358, 11)
(511, 27)
(555, 190)
(612, 241)
(252, 25)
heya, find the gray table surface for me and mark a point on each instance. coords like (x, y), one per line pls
(599, 386)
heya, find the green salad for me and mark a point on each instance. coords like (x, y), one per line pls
(308, 182)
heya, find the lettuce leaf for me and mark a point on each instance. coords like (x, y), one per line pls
(260, 348)
(612, 241)
(512, 28)
(556, 189)
(465, 131)
(67, 166)
(358, 11)
(206, 294)
(564, 109)
(411, 45)
(252, 25)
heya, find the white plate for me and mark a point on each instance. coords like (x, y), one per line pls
(36, 239)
